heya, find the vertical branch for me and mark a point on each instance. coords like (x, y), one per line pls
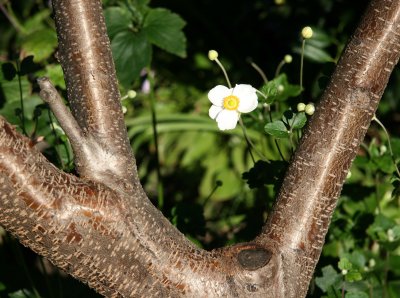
(317, 172)
(85, 56)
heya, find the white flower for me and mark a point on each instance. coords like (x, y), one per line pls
(228, 104)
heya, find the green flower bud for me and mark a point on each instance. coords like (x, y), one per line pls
(309, 109)
(307, 32)
(212, 55)
(301, 107)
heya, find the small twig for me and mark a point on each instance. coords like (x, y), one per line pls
(64, 116)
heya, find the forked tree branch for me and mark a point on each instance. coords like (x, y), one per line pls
(313, 182)
(85, 56)
(102, 229)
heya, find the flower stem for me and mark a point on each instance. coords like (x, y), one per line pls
(160, 187)
(278, 69)
(21, 99)
(250, 144)
(301, 63)
(224, 71)
(389, 143)
(260, 71)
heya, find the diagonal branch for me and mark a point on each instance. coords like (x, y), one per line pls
(314, 180)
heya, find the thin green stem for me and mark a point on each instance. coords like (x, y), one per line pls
(217, 185)
(389, 143)
(278, 69)
(160, 187)
(9, 14)
(60, 161)
(224, 71)
(275, 141)
(260, 71)
(21, 99)
(250, 144)
(302, 63)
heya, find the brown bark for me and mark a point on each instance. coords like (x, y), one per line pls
(101, 227)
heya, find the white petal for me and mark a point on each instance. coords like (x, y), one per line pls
(218, 93)
(214, 111)
(247, 95)
(227, 119)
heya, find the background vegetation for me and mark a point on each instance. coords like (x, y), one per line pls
(206, 181)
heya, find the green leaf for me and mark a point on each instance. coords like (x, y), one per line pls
(344, 264)
(353, 275)
(2, 286)
(41, 44)
(37, 21)
(294, 120)
(28, 66)
(356, 295)
(22, 294)
(8, 70)
(384, 163)
(264, 173)
(55, 73)
(329, 278)
(317, 54)
(277, 129)
(299, 121)
(279, 89)
(117, 19)
(164, 29)
(132, 53)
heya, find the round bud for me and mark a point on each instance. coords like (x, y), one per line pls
(288, 58)
(371, 263)
(279, 2)
(281, 88)
(390, 235)
(307, 32)
(131, 94)
(212, 55)
(309, 109)
(301, 107)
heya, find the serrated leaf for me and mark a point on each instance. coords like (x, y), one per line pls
(117, 20)
(329, 278)
(40, 44)
(132, 53)
(279, 89)
(277, 129)
(345, 264)
(353, 276)
(164, 29)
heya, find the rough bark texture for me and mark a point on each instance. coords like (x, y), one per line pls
(102, 229)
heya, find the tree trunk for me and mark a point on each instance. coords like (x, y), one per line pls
(101, 228)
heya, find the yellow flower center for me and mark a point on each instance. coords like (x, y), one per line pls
(231, 102)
